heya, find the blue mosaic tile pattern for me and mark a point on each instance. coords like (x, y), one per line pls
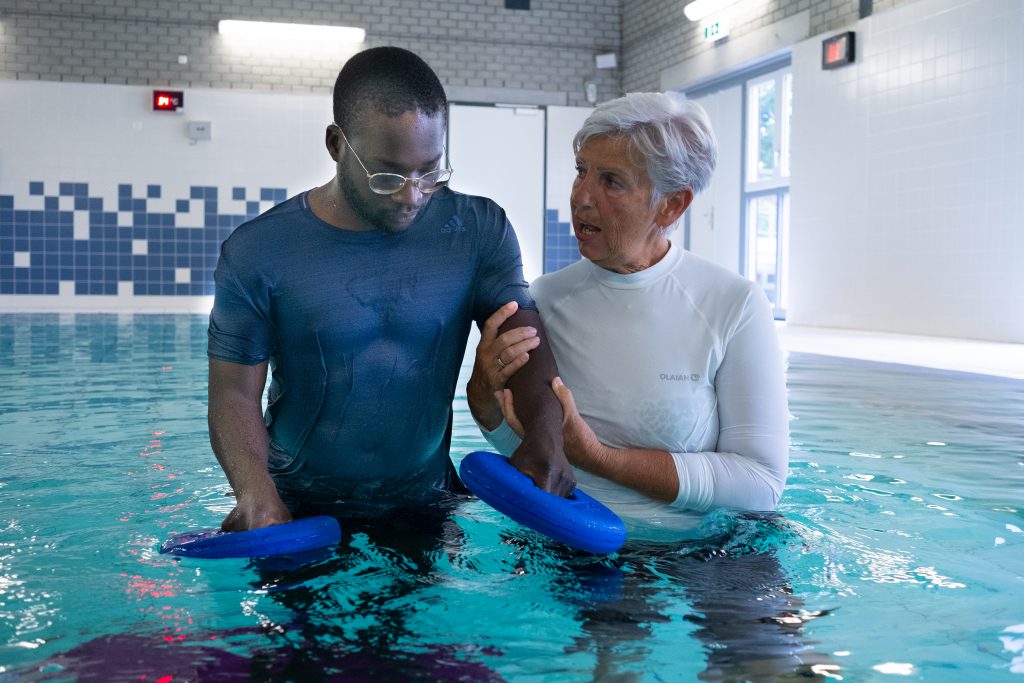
(560, 246)
(154, 251)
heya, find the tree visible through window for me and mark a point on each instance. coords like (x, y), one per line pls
(766, 183)
(766, 148)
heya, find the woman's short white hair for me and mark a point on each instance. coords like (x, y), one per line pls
(672, 134)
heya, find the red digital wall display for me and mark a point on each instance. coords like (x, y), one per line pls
(168, 100)
(837, 51)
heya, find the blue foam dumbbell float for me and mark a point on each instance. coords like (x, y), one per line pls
(578, 521)
(297, 536)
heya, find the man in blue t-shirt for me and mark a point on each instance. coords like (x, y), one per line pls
(358, 295)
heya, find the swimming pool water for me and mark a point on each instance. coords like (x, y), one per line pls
(897, 552)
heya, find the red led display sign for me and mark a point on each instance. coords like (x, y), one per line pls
(168, 100)
(837, 51)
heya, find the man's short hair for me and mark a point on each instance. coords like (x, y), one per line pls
(387, 80)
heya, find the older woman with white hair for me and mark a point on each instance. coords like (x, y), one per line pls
(670, 372)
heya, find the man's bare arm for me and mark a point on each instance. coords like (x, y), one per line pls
(240, 442)
(541, 455)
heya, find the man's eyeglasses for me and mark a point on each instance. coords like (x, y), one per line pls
(390, 183)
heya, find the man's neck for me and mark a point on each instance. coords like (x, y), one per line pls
(328, 204)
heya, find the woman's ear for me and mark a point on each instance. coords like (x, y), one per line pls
(672, 207)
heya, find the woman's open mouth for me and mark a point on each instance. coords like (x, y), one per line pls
(585, 230)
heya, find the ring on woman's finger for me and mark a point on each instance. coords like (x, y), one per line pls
(501, 363)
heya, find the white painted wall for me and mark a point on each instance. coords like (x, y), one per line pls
(907, 209)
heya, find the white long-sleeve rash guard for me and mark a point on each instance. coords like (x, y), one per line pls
(681, 357)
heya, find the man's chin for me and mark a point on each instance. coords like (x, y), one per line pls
(397, 223)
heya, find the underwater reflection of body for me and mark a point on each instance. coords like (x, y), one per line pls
(747, 616)
(124, 658)
(332, 631)
(400, 548)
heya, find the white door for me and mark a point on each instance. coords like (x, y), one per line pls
(715, 213)
(498, 152)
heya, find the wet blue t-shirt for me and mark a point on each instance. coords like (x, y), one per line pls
(365, 333)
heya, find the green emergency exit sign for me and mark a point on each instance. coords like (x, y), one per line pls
(715, 29)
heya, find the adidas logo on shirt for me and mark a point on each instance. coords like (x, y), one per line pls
(453, 225)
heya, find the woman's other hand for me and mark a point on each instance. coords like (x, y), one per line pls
(581, 444)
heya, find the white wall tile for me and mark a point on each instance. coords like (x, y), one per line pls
(81, 225)
(931, 248)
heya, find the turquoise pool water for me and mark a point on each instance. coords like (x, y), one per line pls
(897, 553)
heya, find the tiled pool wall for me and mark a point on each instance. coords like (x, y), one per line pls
(64, 238)
(560, 246)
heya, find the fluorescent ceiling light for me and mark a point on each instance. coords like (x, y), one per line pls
(698, 9)
(271, 30)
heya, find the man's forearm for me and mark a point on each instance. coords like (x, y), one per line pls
(541, 455)
(238, 434)
(536, 406)
(240, 442)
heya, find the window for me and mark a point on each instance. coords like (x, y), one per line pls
(767, 217)
(769, 100)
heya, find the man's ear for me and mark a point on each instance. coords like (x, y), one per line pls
(333, 141)
(672, 207)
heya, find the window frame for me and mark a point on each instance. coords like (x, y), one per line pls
(778, 184)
